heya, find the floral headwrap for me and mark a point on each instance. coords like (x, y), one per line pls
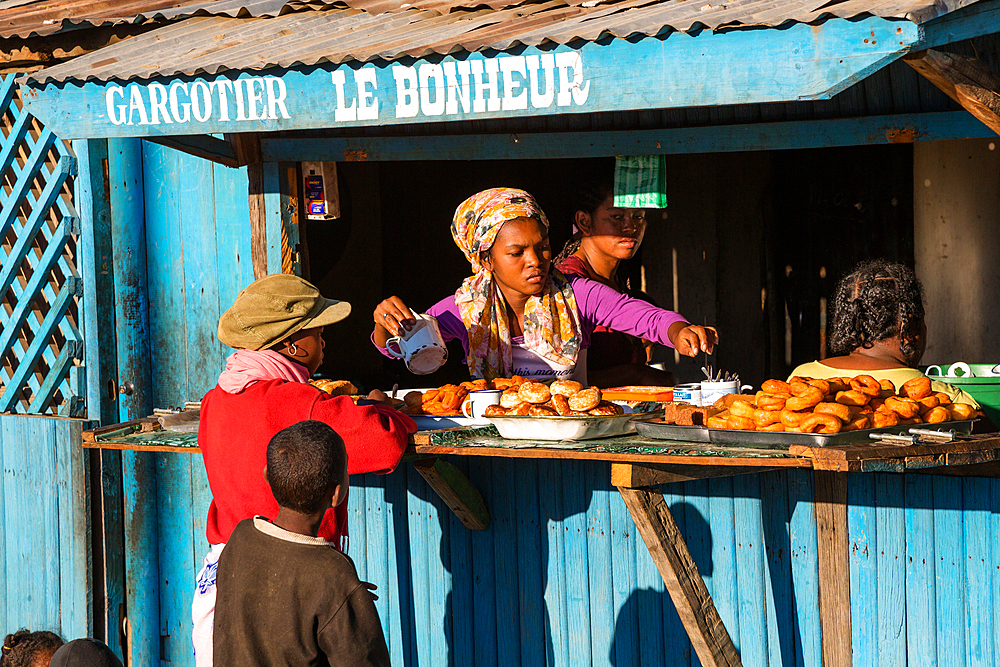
(551, 319)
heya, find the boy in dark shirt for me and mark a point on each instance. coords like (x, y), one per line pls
(286, 596)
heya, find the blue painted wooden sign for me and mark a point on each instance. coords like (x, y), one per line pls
(799, 62)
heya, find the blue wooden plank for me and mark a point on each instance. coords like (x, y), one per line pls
(750, 564)
(981, 18)
(272, 213)
(573, 522)
(949, 570)
(980, 548)
(503, 512)
(805, 568)
(650, 596)
(531, 587)
(624, 542)
(550, 503)
(399, 591)
(599, 558)
(74, 535)
(5, 568)
(679, 653)
(45, 538)
(141, 558)
(484, 584)
(862, 532)
(995, 570)
(176, 571)
(878, 130)
(778, 582)
(891, 563)
(921, 584)
(369, 538)
(232, 232)
(419, 619)
(725, 588)
(439, 582)
(698, 535)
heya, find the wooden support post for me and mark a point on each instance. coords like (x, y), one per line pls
(834, 567)
(968, 81)
(246, 147)
(456, 490)
(687, 589)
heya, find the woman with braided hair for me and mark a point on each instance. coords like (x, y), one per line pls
(29, 649)
(878, 328)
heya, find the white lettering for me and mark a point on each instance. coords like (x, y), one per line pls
(565, 61)
(276, 98)
(200, 89)
(241, 109)
(456, 93)
(136, 103)
(115, 118)
(540, 100)
(220, 85)
(158, 103)
(175, 107)
(426, 73)
(509, 65)
(253, 97)
(491, 85)
(367, 99)
(342, 113)
(407, 101)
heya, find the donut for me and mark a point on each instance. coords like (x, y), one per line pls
(777, 426)
(604, 409)
(906, 408)
(510, 398)
(839, 384)
(740, 423)
(767, 401)
(542, 411)
(928, 403)
(838, 410)
(766, 418)
(494, 411)
(819, 422)
(565, 387)
(776, 387)
(943, 398)
(534, 392)
(937, 415)
(585, 399)
(859, 423)
(961, 411)
(885, 420)
(742, 409)
(519, 410)
(792, 419)
(887, 385)
(822, 385)
(916, 388)
(502, 383)
(561, 404)
(866, 384)
(717, 422)
(804, 396)
(851, 397)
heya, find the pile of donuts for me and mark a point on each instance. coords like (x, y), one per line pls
(562, 398)
(445, 400)
(835, 405)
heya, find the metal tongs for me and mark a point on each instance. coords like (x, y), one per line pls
(917, 436)
(721, 376)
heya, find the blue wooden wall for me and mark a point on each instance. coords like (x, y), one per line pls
(44, 526)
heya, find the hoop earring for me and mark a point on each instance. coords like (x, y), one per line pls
(293, 350)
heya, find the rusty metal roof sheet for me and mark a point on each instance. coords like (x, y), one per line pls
(213, 44)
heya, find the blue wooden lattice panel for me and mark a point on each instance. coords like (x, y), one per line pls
(41, 348)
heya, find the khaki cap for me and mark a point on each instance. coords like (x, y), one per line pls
(273, 308)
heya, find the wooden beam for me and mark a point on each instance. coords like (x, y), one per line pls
(200, 145)
(834, 567)
(968, 81)
(632, 475)
(456, 491)
(687, 589)
(974, 20)
(246, 148)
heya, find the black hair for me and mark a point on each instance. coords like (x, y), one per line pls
(588, 197)
(23, 648)
(305, 461)
(877, 301)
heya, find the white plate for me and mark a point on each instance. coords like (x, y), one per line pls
(564, 428)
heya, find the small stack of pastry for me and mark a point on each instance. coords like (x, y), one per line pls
(335, 387)
(562, 398)
(809, 405)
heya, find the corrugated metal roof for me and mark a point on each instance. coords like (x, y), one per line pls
(33, 18)
(209, 45)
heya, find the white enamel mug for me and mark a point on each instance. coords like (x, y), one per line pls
(422, 347)
(478, 401)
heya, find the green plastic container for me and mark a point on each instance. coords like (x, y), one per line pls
(982, 385)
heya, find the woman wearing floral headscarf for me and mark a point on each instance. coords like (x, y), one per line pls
(516, 315)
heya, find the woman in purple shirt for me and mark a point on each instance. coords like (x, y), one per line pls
(516, 315)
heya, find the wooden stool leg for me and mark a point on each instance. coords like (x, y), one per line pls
(456, 490)
(687, 589)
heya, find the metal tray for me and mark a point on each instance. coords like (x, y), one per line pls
(661, 431)
(779, 440)
(434, 422)
(565, 428)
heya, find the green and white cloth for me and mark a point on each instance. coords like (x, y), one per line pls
(641, 181)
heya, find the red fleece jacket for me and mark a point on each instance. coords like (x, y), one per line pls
(235, 429)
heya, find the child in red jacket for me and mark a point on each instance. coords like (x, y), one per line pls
(276, 326)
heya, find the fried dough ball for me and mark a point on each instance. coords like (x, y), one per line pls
(839, 384)
(585, 399)
(822, 385)
(413, 399)
(888, 386)
(767, 401)
(852, 397)
(792, 419)
(961, 411)
(742, 409)
(510, 398)
(858, 423)
(885, 420)
(764, 418)
(534, 392)
(838, 410)
(717, 421)
(494, 411)
(943, 398)
(604, 409)
(804, 396)
(740, 423)
(519, 410)
(565, 387)
(906, 408)
(928, 403)
(561, 404)
(867, 385)
(542, 411)
(916, 388)
(819, 422)
(937, 415)
(776, 387)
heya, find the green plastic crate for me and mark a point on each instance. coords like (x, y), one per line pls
(981, 386)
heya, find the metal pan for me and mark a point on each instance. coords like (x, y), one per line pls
(777, 440)
(661, 431)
